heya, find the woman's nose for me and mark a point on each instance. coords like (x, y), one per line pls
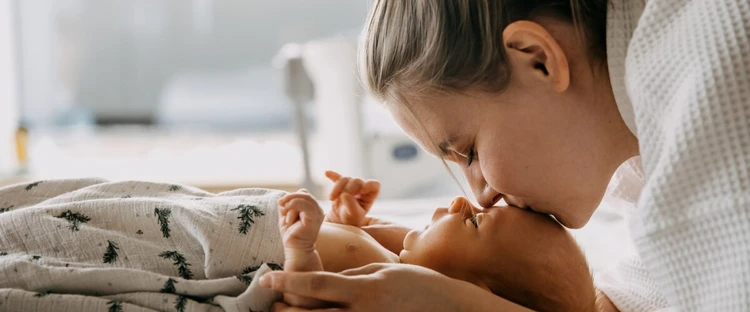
(488, 197)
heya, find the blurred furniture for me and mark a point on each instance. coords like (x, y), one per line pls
(8, 89)
(212, 161)
(356, 135)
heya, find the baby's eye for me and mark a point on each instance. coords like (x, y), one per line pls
(474, 221)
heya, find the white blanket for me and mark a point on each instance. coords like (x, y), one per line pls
(92, 245)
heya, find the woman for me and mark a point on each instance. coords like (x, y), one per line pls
(540, 102)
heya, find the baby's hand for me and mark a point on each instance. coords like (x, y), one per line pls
(352, 199)
(300, 218)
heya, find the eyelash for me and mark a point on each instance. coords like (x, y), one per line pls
(471, 156)
(474, 221)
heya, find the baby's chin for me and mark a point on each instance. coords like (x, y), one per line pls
(410, 240)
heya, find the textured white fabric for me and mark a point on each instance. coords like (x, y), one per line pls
(687, 75)
(92, 245)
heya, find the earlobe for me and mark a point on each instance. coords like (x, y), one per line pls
(531, 41)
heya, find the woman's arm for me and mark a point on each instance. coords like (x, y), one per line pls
(387, 287)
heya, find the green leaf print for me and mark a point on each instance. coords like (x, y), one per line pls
(163, 217)
(111, 254)
(174, 188)
(244, 278)
(180, 303)
(75, 219)
(179, 260)
(6, 209)
(247, 215)
(33, 185)
(114, 306)
(169, 286)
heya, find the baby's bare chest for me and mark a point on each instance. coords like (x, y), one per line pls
(343, 247)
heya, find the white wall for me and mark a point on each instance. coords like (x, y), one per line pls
(8, 88)
(114, 56)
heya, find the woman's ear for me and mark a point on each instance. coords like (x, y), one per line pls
(531, 46)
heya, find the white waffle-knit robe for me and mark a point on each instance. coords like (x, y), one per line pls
(680, 71)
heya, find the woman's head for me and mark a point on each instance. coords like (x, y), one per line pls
(522, 256)
(510, 90)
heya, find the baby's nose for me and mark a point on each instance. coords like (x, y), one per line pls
(461, 205)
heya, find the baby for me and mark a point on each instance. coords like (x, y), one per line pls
(522, 256)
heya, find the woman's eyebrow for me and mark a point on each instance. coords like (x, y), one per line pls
(445, 144)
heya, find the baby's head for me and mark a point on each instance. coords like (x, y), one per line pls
(519, 255)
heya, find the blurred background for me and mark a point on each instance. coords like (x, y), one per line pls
(218, 94)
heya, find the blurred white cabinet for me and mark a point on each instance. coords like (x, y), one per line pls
(8, 87)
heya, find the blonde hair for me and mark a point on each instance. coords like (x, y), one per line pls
(415, 47)
(422, 47)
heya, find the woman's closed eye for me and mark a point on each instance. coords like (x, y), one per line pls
(471, 156)
(474, 221)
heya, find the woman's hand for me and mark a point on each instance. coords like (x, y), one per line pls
(386, 287)
(352, 199)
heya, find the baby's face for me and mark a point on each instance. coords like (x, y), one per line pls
(524, 250)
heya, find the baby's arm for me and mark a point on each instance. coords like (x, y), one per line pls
(388, 234)
(352, 199)
(300, 218)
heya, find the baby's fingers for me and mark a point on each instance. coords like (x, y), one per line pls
(292, 216)
(338, 187)
(354, 212)
(354, 186)
(369, 193)
(333, 175)
(291, 196)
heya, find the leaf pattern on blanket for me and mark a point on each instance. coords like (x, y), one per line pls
(245, 279)
(3, 253)
(247, 213)
(33, 185)
(180, 303)
(179, 260)
(174, 188)
(169, 286)
(74, 218)
(111, 255)
(243, 276)
(162, 216)
(6, 209)
(114, 306)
